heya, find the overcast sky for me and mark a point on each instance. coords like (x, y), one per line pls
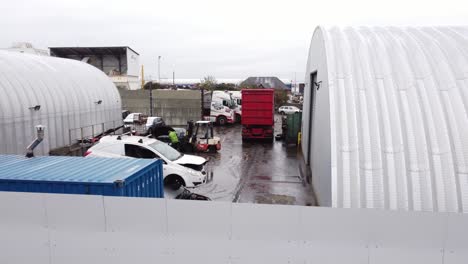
(226, 39)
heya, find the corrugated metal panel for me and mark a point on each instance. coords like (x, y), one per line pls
(258, 107)
(398, 112)
(105, 176)
(67, 92)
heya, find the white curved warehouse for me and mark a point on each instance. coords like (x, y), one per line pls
(64, 95)
(388, 126)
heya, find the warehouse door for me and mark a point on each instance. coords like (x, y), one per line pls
(313, 86)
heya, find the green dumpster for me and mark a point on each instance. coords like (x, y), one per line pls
(294, 127)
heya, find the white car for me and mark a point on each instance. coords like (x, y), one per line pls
(178, 168)
(286, 110)
(131, 117)
(151, 122)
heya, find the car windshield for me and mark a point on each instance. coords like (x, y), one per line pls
(165, 150)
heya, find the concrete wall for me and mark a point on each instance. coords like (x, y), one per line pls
(176, 107)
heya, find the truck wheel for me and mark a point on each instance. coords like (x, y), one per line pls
(222, 120)
(238, 118)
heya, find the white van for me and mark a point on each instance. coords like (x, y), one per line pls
(178, 168)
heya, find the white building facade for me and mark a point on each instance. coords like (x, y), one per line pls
(120, 63)
(385, 118)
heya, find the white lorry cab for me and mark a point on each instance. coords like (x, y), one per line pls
(219, 107)
(236, 97)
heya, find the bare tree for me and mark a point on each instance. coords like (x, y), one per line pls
(208, 83)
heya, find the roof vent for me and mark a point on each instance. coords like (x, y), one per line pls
(140, 141)
(119, 138)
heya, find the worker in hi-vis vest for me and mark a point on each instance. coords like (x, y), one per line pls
(174, 139)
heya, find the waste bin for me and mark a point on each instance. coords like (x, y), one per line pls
(293, 128)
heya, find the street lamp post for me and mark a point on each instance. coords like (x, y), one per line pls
(159, 69)
(151, 96)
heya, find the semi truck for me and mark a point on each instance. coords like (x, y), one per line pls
(218, 107)
(237, 99)
(258, 114)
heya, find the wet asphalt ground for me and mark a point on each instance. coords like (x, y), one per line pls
(255, 172)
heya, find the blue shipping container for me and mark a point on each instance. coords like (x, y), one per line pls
(77, 175)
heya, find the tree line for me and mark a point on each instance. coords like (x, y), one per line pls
(210, 83)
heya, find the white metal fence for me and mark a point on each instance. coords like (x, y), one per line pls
(52, 228)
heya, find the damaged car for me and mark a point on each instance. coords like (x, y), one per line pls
(178, 169)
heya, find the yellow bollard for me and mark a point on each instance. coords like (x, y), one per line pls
(299, 138)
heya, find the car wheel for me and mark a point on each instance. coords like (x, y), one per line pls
(282, 113)
(174, 182)
(222, 120)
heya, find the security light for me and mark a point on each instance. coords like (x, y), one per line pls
(318, 84)
(35, 108)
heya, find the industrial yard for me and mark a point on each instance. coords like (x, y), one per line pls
(233, 132)
(256, 172)
(240, 166)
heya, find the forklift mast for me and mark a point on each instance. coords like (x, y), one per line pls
(189, 128)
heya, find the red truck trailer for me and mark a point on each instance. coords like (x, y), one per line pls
(258, 114)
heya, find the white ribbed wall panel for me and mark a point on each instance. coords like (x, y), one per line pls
(67, 92)
(61, 228)
(396, 101)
